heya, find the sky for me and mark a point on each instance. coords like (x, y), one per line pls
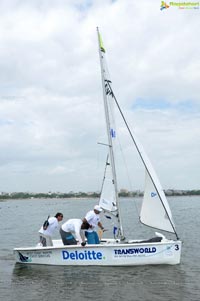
(51, 107)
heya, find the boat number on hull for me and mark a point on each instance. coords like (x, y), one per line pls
(176, 247)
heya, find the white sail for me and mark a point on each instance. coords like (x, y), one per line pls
(153, 213)
(108, 198)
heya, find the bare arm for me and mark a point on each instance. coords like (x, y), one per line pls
(100, 226)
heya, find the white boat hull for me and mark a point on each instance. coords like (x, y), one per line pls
(108, 253)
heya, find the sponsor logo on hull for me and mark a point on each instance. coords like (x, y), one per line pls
(134, 252)
(84, 255)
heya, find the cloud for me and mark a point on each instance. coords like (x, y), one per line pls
(60, 170)
(51, 97)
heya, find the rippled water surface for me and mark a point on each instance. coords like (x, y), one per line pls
(21, 219)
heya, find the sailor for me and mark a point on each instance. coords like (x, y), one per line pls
(73, 227)
(93, 218)
(45, 235)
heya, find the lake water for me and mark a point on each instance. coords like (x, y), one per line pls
(19, 224)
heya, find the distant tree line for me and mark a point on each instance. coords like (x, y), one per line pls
(122, 193)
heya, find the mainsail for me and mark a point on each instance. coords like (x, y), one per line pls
(109, 197)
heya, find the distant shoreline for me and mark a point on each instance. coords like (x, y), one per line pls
(122, 193)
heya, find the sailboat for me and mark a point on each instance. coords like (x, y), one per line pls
(155, 211)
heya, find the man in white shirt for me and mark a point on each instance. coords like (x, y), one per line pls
(93, 218)
(46, 234)
(71, 228)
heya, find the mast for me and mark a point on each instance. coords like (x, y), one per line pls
(110, 133)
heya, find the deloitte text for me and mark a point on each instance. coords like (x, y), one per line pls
(135, 251)
(85, 255)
